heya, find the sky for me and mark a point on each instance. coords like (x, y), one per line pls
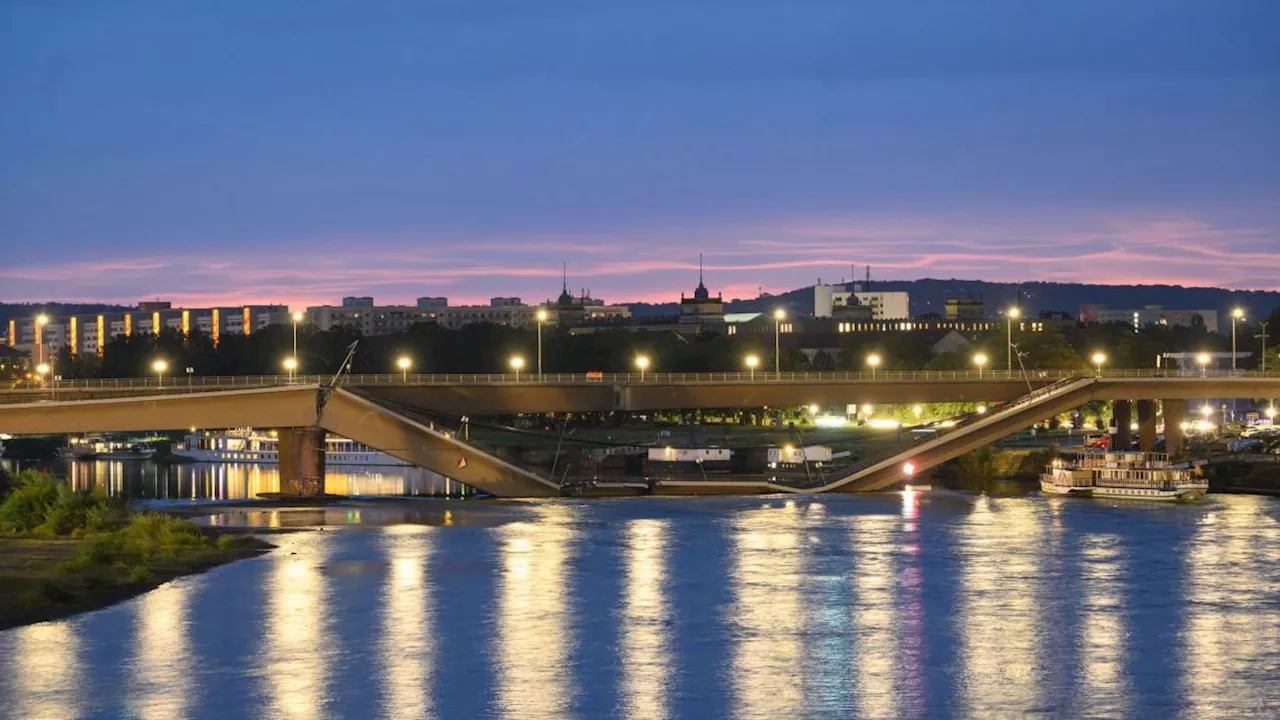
(296, 152)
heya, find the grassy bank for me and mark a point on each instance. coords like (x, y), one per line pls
(64, 552)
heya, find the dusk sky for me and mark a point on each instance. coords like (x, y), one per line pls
(249, 151)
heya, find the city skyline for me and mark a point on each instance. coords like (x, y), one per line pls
(410, 151)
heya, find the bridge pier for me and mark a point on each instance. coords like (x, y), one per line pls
(301, 461)
(1175, 413)
(1147, 425)
(1122, 412)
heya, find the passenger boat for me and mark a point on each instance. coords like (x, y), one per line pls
(1126, 475)
(256, 446)
(98, 447)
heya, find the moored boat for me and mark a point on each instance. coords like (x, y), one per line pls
(1124, 475)
(255, 446)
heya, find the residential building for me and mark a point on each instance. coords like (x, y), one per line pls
(855, 302)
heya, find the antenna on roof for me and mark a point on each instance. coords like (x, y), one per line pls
(699, 268)
(564, 277)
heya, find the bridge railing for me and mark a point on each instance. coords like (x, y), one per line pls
(1035, 377)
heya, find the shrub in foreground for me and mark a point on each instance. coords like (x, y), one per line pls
(42, 504)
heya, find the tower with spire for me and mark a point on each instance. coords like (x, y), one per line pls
(701, 308)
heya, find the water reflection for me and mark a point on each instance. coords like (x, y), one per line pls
(646, 662)
(767, 613)
(297, 649)
(875, 630)
(1001, 615)
(534, 628)
(1231, 641)
(243, 481)
(160, 681)
(44, 672)
(407, 639)
(1102, 683)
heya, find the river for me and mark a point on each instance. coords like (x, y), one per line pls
(897, 605)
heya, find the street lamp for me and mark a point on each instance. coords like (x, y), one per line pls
(1098, 358)
(1010, 315)
(980, 359)
(297, 318)
(41, 320)
(42, 370)
(778, 316)
(159, 366)
(541, 317)
(404, 362)
(642, 364)
(1237, 314)
(1203, 360)
(753, 362)
(873, 362)
(517, 363)
(290, 364)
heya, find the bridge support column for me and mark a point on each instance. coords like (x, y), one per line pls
(1122, 412)
(1147, 425)
(302, 461)
(1175, 413)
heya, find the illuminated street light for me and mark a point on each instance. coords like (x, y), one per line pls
(753, 362)
(1271, 412)
(642, 364)
(1098, 359)
(982, 409)
(813, 409)
(917, 410)
(908, 468)
(404, 362)
(517, 364)
(1206, 410)
(42, 370)
(291, 365)
(41, 320)
(778, 316)
(980, 359)
(873, 361)
(297, 318)
(541, 316)
(159, 366)
(1237, 314)
(1010, 315)
(1203, 360)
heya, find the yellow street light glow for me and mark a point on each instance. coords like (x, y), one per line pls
(1015, 313)
(873, 360)
(42, 369)
(867, 409)
(1206, 410)
(1237, 313)
(298, 316)
(980, 359)
(753, 361)
(642, 362)
(290, 364)
(813, 409)
(517, 362)
(42, 319)
(159, 366)
(917, 410)
(403, 362)
(1271, 412)
(541, 315)
(908, 468)
(779, 314)
(1098, 358)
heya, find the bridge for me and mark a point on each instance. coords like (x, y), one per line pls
(371, 409)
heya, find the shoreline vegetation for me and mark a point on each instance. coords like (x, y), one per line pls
(64, 552)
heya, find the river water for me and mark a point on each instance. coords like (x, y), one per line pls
(887, 606)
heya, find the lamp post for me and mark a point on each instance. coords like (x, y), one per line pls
(517, 363)
(190, 371)
(1010, 315)
(642, 364)
(41, 320)
(290, 365)
(1262, 335)
(1098, 358)
(873, 362)
(1203, 360)
(778, 316)
(297, 318)
(541, 317)
(159, 366)
(42, 370)
(752, 361)
(980, 359)
(404, 362)
(1236, 315)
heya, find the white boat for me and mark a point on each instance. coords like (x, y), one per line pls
(256, 446)
(97, 447)
(1125, 475)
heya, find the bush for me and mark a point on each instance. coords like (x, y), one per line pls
(147, 538)
(42, 504)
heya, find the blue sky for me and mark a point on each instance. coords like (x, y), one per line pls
(297, 152)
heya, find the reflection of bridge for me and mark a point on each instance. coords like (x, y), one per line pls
(369, 413)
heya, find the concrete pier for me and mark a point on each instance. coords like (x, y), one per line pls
(302, 461)
(1123, 413)
(1175, 413)
(1147, 425)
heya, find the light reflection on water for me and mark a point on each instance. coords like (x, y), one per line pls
(894, 606)
(243, 481)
